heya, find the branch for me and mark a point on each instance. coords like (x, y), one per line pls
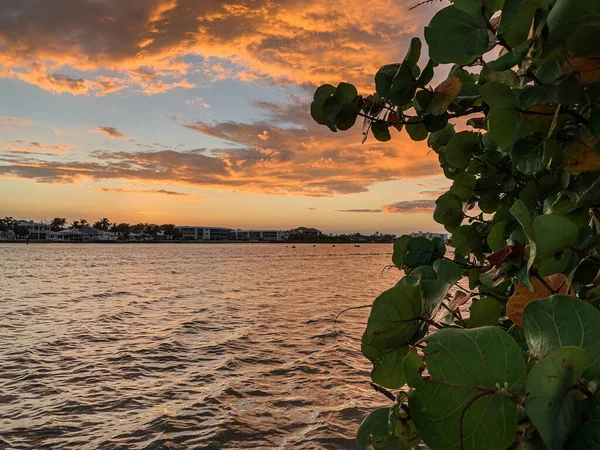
(350, 309)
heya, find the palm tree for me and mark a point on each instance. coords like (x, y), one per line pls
(103, 224)
(58, 223)
(83, 222)
(76, 224)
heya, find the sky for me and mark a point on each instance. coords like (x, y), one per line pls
(196, 112)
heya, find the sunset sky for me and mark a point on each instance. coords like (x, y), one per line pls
(196, 112)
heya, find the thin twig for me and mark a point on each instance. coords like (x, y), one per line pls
(350, 309)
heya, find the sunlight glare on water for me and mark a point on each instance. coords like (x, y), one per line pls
(185, 346)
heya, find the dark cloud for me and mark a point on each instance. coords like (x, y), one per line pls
(409, 207)
(111, 132)
(145, 191)
(359, 210)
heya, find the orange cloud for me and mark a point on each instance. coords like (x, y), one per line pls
(409, 207)
(144, 43)
(111, 132)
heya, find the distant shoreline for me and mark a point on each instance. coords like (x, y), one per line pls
(42, 241)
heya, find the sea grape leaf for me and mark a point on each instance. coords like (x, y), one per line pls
(460, 148)
(512, 58)
(400, 250)
(466, 239)
(448, 211)
(444, 94)
(475, 7)
(419, 251)
(503, 125)
(553, 233)
(463, 186)
(522, 296)
(528, 154)
(345, 93)
(567, 15)
(517, 17)
(455, 36)
(416, 129)
(521, 213)
(587, 434)
(447, 271)
(381, 130)
(388, 370)
(496, 239)
(499, 95)
(562, 320)
(484, 312)
(374, 430)
(440, 138)
(414, 52)
(394, 318)
(426, 75)
(460, 406)
(316, 107)
(549, 404)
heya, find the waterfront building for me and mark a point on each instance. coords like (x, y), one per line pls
(36, 230)
(193, 233)
(443, 236)
(81, 234)
(257, 235)
(307, 231)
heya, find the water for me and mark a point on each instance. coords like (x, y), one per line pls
(185, 346)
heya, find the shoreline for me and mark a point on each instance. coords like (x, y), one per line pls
(42, 241)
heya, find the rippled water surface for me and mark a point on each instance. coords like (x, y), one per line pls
(185, 346)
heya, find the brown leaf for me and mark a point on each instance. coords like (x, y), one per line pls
(588, 69)
(522, 296)
(459, 299)
(580, 155)
(443, 95)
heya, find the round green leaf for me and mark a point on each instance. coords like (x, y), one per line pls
(553, 233)
(388, 370)
(461, 148)
(456, 37)
(463, 186)
(552, 409)
(461, 405)
(345, 93)
(440, 138)
(416, 129)
(528, 154)
(484, 312)
(394, 319)
(400, 250)
(381, 130)
(561, 320)
(419, 251)
(448, 211)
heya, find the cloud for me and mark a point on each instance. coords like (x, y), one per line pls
(433, 193)
(34, 148)
(16, 121)
(144, 191)
(198, 100)
(66, 47)
(409, 207)
(359, 210)
(299, 158)
(111, 132)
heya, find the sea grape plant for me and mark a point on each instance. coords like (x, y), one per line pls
(516, 127)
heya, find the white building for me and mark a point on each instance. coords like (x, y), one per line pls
(191, 233)
(36, 230)
(443, 236)
(81, 234)
(258, 235)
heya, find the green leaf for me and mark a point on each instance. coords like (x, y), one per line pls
(503, 125)
(345, 93)
(499, 95)
(416, 129)
(484, 312)
(381, 130)
(413, 367)
(460, 406)
(587, 434)
(467, 239)
(461, 148)
(374, 429)
(448, 211)
(400, 250)
(394, 318)
(440, 138)
(346, 117)
(447, 271)
(316, 107)
(567, 92)
(553, 233)
(521, 213)
(331, 108)
(419, 251)
(496, 239)
(456, 37)
(528, 154)
(517, 17)
(426, 75)
(463, 186)
(475, 7)
(435, 123)
(414, 52)
(388, 370)
(512, 58)
(550, 406)
(582, 43)
(568, 15)
(559, 321)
